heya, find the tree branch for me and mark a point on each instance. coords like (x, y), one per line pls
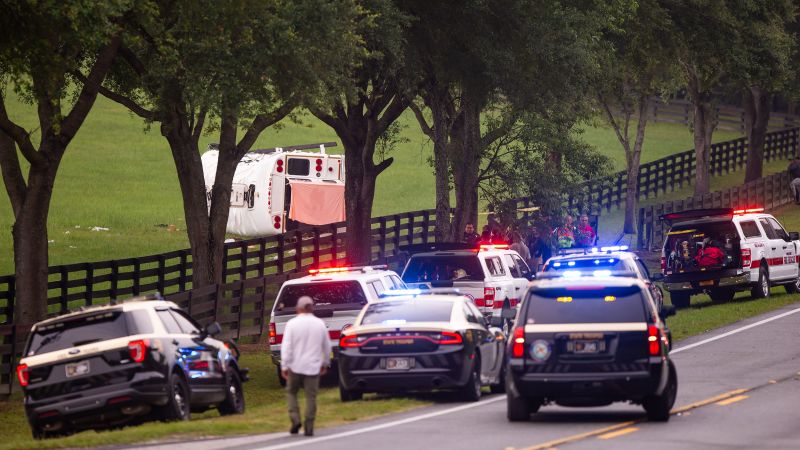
(423, 124)
(391, 113)
(127, 102)
(73, 121)
(615, 125)
(19, 135)
(198, 127)
(133, 61)
(12, 173)
(261, 122)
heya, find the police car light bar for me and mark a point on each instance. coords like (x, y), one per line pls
(488, 247)
(346, 269)
(747, 211)
(613, 248)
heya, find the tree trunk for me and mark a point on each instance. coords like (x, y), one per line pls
(465, 156)
(756, 121)
(30, 245)
(359, 195)
(703, 129)
(633, 157)
(189, 168)
(441, 163)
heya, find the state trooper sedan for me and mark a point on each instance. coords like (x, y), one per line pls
(421, 340)
(590, 341)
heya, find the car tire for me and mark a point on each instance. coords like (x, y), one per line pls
(793, 287)
(178, 405)
(348, 395)
(659, 406)
(500, 387)
(761, 289)
(680, 299)
(518, 409)
(471, 392)
(721, 295)
(234, 396)
(281, 381)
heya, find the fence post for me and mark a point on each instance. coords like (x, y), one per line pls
(640, 229)
(315, 256)
(298, 250)
(279, 261)
(334, 245)
(89, 289)
(136, 274)
(183, 274)
(160, 282)
(425, 224)
(241, 309)
(64, 291)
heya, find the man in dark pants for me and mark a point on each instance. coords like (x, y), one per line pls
(305, 357)
(794, 178)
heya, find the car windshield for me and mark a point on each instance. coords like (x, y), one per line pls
(701, 246)
(403, 312)
(608, 305)
(443, 267)
(324, 293)
(84, 329)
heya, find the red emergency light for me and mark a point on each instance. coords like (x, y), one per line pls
(748, 211)
(347, 269)
(488, 247)
(329, 270)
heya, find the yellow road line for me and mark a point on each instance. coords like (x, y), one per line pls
(578, 437)
(623, 425)
(709, 401)
(738, 398)
(621, 432)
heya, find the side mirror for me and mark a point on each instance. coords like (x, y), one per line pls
(213, 329)
(794, 235)
(531, 276)
(658, 276)
(667, 311)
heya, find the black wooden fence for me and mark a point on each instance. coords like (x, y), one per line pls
(673, 172)
(769, 192)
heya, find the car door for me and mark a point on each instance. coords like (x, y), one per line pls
(521, 282)
(484, 340)
(785, 249)
(501, 280)
(774, 251)
(655, 291)
(200, 352)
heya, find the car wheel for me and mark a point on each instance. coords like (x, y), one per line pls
(500, 387)
(761, 289)
(518, 409)
(659, 406)
(281, 381)
(793, 287)
(234, 397)
(177, 407)
(680, 299)
(720, 295)
(347, 395)
(471, 392)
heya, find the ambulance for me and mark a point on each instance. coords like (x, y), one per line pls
(276, 189)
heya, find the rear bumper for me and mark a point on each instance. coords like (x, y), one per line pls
(100, 407)
(606, 386)
(736, 281)
(440, 370)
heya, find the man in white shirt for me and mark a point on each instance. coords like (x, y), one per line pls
(305, 357)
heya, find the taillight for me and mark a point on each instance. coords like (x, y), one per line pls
(653, 338)
(518, 347)
(277, 222)
(23, 374)
(203, 366)
(350, 341)
(663, 264)
(488, 296)
(450, 338)
(279, 167)
(138, 350)
(747, 257)
(273, 334)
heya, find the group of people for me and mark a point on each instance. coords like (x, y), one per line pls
(538, 246)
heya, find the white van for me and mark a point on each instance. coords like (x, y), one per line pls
(276, 188)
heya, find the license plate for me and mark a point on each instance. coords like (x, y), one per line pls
(398, 363)
(707, 283)
(587, 346)
(77, 369)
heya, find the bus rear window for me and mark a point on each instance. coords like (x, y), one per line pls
(298, 166)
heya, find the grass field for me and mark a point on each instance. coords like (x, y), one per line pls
(117, 176)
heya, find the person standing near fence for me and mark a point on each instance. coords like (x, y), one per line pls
(794, 176)
(305, 357)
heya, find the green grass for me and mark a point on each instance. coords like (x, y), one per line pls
(265, 413)
(117, 175)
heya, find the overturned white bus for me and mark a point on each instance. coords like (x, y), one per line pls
(274, 189)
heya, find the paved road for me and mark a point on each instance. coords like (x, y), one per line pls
(739, 388)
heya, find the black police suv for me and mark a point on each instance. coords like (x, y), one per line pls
(590, 341)
(118, 364)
